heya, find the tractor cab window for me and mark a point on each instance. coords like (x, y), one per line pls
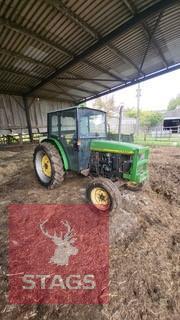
(53, 125)
(92, 124)
(68, 135)
(68, 132)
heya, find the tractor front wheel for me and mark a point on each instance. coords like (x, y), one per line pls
(48, 165)
(103, 194)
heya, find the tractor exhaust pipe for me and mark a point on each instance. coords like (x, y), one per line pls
(120, 121)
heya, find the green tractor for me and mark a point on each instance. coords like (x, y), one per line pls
(77, 141)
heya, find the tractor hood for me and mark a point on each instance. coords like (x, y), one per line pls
(116, 147)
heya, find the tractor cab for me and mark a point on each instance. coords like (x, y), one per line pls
(74, 128)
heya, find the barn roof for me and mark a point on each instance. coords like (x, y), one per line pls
(77, 50)
(173, 114)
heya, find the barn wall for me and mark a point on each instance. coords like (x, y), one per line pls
(13, 117)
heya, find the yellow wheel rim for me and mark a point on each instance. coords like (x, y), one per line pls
(100, 198)
(46, 165)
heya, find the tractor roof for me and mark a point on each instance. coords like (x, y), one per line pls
(76, 107)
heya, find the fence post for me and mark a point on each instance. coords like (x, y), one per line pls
(145, 134)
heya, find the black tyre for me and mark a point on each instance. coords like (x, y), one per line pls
(103, 194)
(48, 165)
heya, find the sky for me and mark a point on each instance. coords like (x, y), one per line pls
(155, 93)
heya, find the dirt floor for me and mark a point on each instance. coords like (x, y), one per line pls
(144, 246)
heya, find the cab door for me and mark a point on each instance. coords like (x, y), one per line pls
(68, 135)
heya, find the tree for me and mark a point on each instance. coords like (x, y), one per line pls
(147, 118)
(131, 113)
(173, 103)
(105, 103)
(82, 104)
(150, 119)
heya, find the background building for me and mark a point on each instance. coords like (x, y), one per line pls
(172, 120)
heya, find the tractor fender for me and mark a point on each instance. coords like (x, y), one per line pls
(60, 148)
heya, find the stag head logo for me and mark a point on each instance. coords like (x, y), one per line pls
(64, 244)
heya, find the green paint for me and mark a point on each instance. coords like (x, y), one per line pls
(139, 157)
(76, 158)
(59, 147)
(139, 168)
(115, 147)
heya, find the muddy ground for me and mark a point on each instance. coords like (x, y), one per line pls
(144, 233)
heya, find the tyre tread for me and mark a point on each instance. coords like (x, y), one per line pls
(109, 186)
(56, 162)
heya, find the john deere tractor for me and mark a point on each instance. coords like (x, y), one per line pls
(77, 141)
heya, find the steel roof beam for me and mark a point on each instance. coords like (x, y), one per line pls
(87, 28)
(77, 76)
(56, 99)
(133, 82)
(132, 8)
(75, 88)
(89, 79)
(135, 20)
(101, 69)
(21, 74)
(150, 40)
(56, 92)
(59, 5)
(14, 84)
(25, 58)
(80, 22)
(47, 97)
(130, 5)
(13, 26)
(121, 55)
(11, 92)
(154, 42)
(64, 91)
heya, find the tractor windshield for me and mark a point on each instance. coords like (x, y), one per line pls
(92, 123)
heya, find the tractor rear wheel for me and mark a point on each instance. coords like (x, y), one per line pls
(103, 194)
(48, 165)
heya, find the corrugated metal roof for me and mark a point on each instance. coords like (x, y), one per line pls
(81, 49)
(173, 114)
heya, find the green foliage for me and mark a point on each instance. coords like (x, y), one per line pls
(82, 104)
(131, 113)
(147, 118)
(173, 103)
(150, 118)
